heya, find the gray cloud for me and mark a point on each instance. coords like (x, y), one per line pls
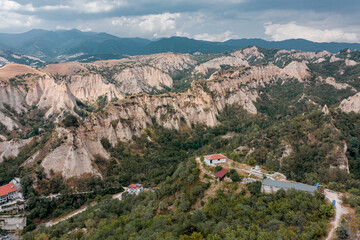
(215, 20)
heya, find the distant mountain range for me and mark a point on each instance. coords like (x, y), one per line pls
(74, 45)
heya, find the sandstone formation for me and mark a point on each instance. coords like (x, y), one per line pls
(12, 148)
(92, 86)
(73, 158)
(351, 104)
(167, 62)
(140, 79)
(56, 89)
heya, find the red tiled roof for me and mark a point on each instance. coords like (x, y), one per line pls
(6, 189)
(132, 186)
(214, 156)
(221, 173)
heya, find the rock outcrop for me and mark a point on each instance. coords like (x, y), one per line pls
(331, 81)
(9, 123)
(140, 79)
(351, 104)
(12, 148)
(57, 88)
(241, 57)
(90, 87)
(167, 62)
(74, 157)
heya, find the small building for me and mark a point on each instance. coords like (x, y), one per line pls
(9, 192)
(135, 188)
(272, 186)
(214, 159)
(221, 174)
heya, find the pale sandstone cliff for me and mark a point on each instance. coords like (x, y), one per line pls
(331, 81)
(167, 62)
(74, 157)
(92, 86)
(139, 79)
(8, 122)
(13, 96)
(12, 148)
(47, 94)
(238, 58)
(130, 116)
(351, 104)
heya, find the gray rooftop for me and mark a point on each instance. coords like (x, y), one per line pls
(289, 185)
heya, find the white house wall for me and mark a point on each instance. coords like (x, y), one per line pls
(216, 161)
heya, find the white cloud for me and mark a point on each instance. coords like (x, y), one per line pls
(159, 22)
(7, 5)
(83, 6)
(15, 20)
(221, 37)
(58, 27)
(291, 30)
(97, 6)
(156, 25)
(54, 7)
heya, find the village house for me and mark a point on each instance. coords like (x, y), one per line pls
(135, 188)
(272, 186)
(214, 159)
(9, 192)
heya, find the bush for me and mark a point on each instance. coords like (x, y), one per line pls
(254, 187)
(70, 121)
(105, 143)
(218, 168)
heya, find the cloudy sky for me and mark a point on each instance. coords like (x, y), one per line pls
(213, 20)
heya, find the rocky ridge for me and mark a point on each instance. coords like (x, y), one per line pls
(59, 87)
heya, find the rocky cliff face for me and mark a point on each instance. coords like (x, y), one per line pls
(10, 149)
(352, 104)
(91, 87)
(142, 79)
(74, 157)
(167, 62)
(57, 87)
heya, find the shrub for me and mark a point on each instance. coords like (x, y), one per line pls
(218, 168)
(70, 121)
(105, 143)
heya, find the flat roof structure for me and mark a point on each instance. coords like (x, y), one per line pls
(289, 185)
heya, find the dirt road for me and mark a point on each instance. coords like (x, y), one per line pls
(51, 223)
(340, 210)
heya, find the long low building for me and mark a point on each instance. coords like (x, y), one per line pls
(272, 186)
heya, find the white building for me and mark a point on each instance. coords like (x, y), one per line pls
(9, 192)
(214, 159)
(135, 188)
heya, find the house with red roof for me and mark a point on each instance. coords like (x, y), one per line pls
(135, 188)
(8, 192)
(214, 159)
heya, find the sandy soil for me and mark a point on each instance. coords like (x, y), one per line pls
(11, 70)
